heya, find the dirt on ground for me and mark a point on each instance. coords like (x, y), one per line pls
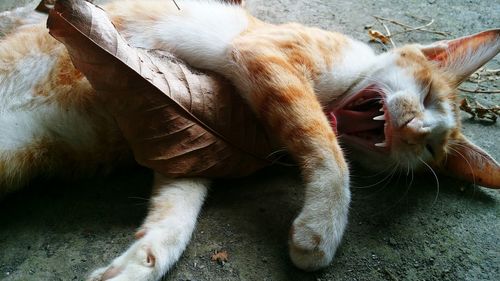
(399, 229)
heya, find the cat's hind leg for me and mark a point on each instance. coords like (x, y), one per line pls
(164, 234)
(24, 149)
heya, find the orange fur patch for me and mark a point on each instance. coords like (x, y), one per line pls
(31, 41)
(67, 74)
(282, 63)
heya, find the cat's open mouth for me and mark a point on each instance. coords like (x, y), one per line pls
(363, 119)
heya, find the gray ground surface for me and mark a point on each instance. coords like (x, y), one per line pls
(61, 230)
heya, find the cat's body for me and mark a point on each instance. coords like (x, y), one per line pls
(290, 75)
(41, 101)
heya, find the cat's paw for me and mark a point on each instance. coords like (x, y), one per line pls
(314, 240)
(137, 264)
(97, 275)
(308, 247)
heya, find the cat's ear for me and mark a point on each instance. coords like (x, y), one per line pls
(461, 57)
(468, 162)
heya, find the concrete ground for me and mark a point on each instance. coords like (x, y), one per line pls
(61, 230)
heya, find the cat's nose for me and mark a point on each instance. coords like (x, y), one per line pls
(414, 132)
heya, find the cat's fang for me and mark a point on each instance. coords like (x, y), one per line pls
(381, 144)
(379, 118)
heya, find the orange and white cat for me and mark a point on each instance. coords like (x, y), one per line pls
(396, 108)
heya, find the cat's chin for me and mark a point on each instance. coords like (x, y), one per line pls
(363, 120)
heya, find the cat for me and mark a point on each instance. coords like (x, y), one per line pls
(397, 108)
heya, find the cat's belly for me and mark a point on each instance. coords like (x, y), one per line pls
(51, 121)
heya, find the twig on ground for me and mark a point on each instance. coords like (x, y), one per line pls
(479, 91)
(389, 36)
(386, 38)
(415, 28)
(412, 28)
(418, 18)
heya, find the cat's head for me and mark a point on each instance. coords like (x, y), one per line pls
(409, 108)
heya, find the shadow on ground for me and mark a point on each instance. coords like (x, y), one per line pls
(61, 230)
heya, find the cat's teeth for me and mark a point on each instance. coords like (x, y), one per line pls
(381, 109)
(381, 144)
(379, 118)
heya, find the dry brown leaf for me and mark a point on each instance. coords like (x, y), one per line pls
(220, 257)
(177, 120)
(377, 35)
(480, 111)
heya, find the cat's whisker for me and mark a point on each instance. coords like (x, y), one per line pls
(398, 169)
(468, 164)
(398, 165)
(384, 87)
(374, 184)
(455, 143)
(379, 99)
(412, 173)
(376, 174)
(435, 177)
(465, 147)
(425, 90)
(391, 175)
(405, 192)
(276, 160)
(276, 152)
(382, 180)
(139, 198)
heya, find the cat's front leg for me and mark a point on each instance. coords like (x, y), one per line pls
(318, 229)
(285, 101)
(164, 234)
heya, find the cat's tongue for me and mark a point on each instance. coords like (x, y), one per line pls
(351, 121)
